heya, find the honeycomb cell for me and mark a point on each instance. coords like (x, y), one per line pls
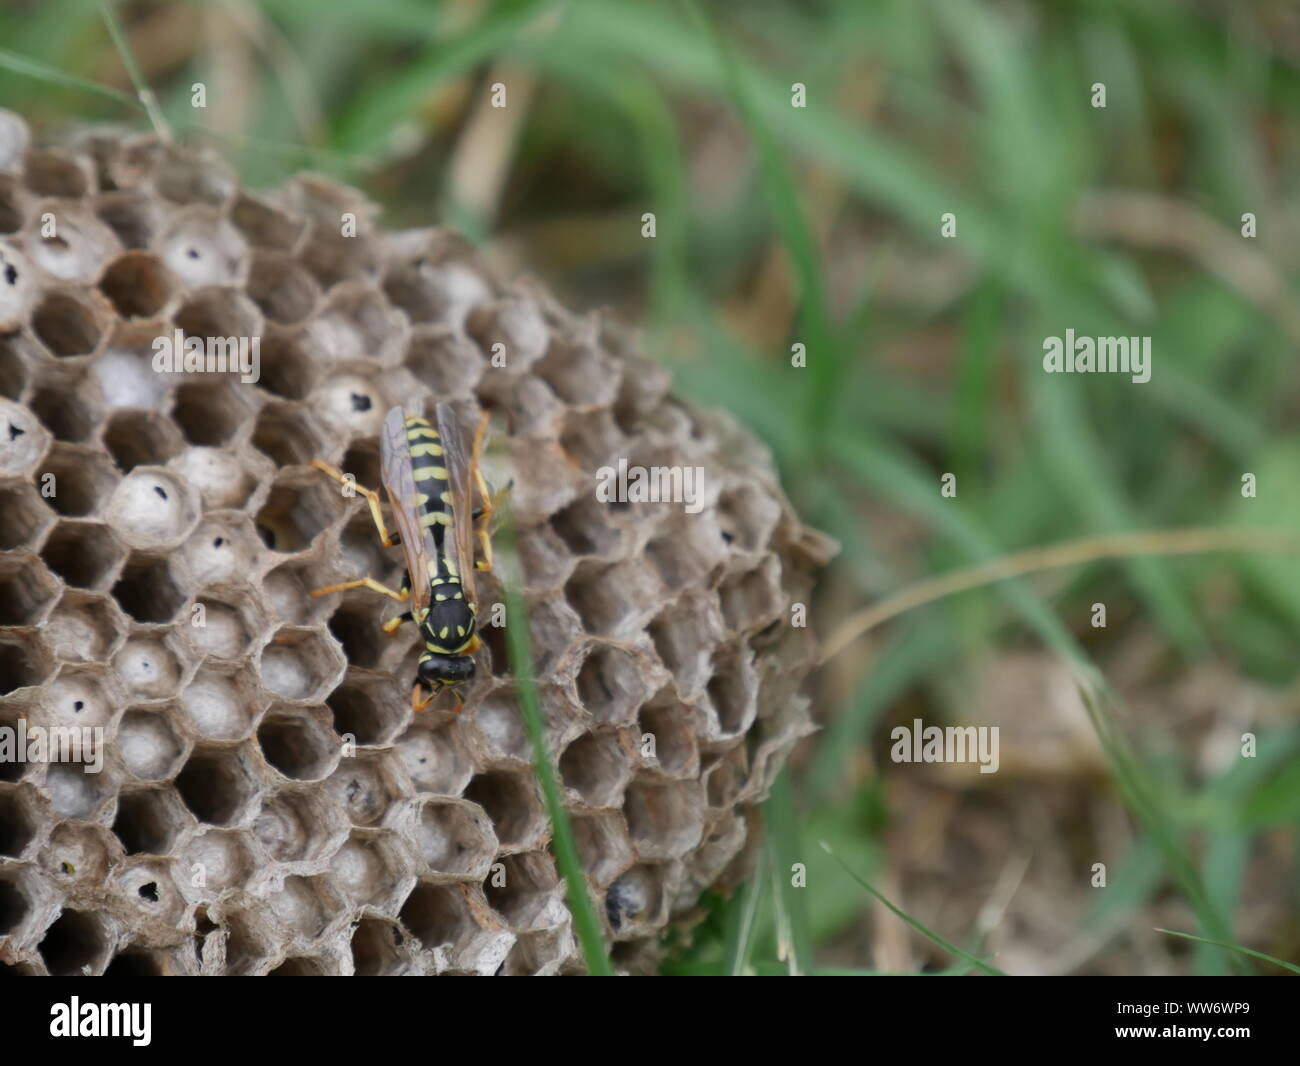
(78, 789)
(670, 724)
(222, 700)
(304, 906)
(379, 949)
(19, 819)
(367, 786)
(579, 374)
(287, 435)
(77, 943)
(19, 289)
(23, 517)
(27, 591)
(300, 505)
(202, 178)
(299, 826)
(436, 760)
(141, 438)
(151, 667)
(68, 242)
(334, 259)
(71, 322)
(208, 414)
(146, 589)
(300, 664)
(514, 806)
(284, 291)
(597, 768)
(733, 690)
(135, 219)
(152, 509)
(51, 172)
(612, 683)
(138, 285)
(85, 627)
(23, 440)
(357, 324)
(247, 944)
(202, 248)
(150, 747)
(81, 481)
(516, 324)
(150, 820)
(264, 224)
(525, 890)
(224, 623)
(636, 898)
(65, 413)
(443, 360)
(301, 967)
(78, 855)
(223, 550)
(454, 838)
(25, 660)
(370, 870)
(18, 892)
(288, 368)
(437, 292)
(214, 860)
(14, 203)
(753, 600)
(84, 695)
(298, 742)
(146, 888)
(287, 591)
(369, 708)
(603, 845)
(213, 313)
(665, 820)
(684, 637)
(221, 477)
(219, 785)
(454, 923)
(83, 553)
(612, 600)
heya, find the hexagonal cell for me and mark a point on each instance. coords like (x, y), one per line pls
(149, 745)
(201, 178)
(436, 760)
(366, 786)
(612, 683)
(81, 480)
(603, 845)
(18, 821)
(147, 887)
(141, 438)
(369, 708)
(202, 248)
(287, 434)
(441, 358)
(611, 600)
(264, 224)
(83, 696)
(724, 777)
(362, 552)
(287, 589)
(733, 689)
(138, 285)
(281, 288)
(298, 742)
(13, 205)
(24, 660)
(356, 625)
(53, 172)
(299, 826)
(219, 785)
(224, 628)
(579, 373)
(455, 838)
(686, 550)
(636, 899)
(305, 905)
(334, 259)
(23, 440)
(27, 592)
(222, 700)
(222, 551)
(220, 476)
(287, 367)
(669, 722)
(584, 528)
(369, 869)
(23, 517)
(248, 944)
(597, 768)
(526, 891)
(357, 324)
(146, 590)
(512, 802)
(17, 893)
(748, 516)
(83, 553)
(300, 664)
(151, 667)
(753, 600)
(515, 323)
(378, 949)
(71, 322)
(666, 820)
(150, 820)
(76, 789)
(84, 627)
(440, 916)
(133, 217)
(299, 506)
(546, 560)
(77, 943)
(354, 405)
(214, 860)
(13, 367)
(78, 855)
(431, 291)
(684, 635)
(209, 414)
(138, 962)
(75, 245)
(65, 413)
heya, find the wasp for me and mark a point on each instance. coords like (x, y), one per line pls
(431, 477)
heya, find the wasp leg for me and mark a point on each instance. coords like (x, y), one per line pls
(390, 627)
(372, 498)
(364, 582)
(418, 704)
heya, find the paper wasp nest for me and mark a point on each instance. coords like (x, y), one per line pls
(231, 829)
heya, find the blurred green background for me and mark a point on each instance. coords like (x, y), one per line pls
(820, 225)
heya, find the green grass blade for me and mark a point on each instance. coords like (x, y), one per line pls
(1227, 946)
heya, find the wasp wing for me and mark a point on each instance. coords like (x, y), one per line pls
(459, 462)
(399, 483)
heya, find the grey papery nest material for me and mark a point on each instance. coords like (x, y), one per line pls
(231, 828)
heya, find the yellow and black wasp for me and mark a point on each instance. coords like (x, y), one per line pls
(431, 478)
